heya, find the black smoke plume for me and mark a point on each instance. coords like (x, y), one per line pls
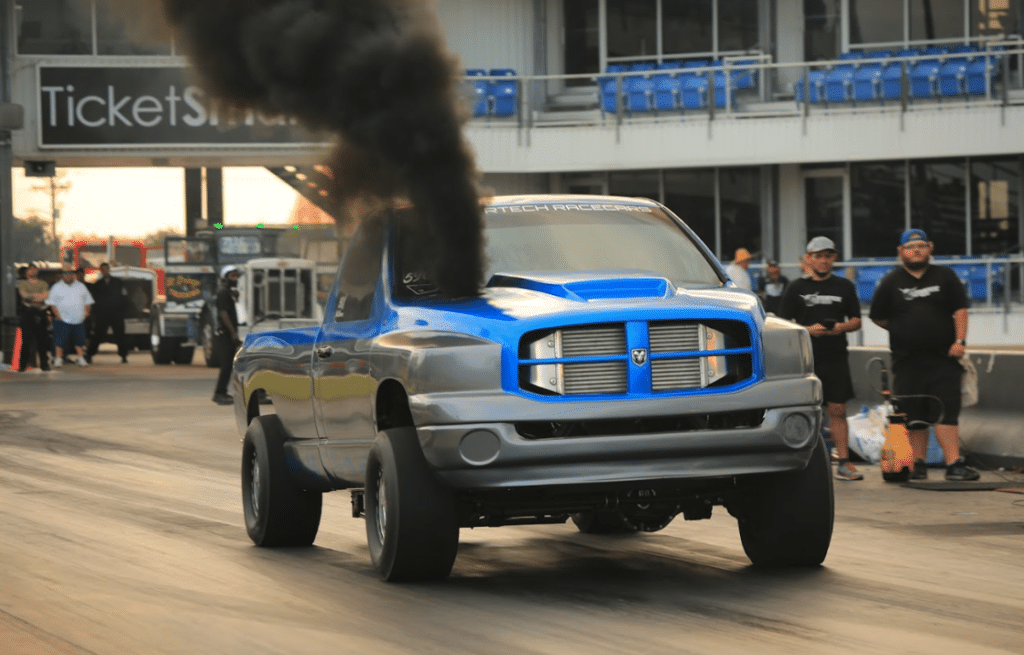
(375, 73)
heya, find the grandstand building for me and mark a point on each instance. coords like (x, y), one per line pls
(760, 122)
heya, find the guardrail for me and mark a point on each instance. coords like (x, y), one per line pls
(752, 86)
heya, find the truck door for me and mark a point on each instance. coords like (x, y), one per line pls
(343, 378)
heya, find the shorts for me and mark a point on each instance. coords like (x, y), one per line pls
(62, 330)
(928, 375)
(834, 372)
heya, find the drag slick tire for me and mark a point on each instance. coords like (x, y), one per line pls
(277, 511)
(603, 522)
(787, 518)
(411, 525)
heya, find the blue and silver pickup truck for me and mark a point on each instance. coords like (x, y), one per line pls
(607, 373)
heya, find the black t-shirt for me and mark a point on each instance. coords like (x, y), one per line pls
(107, 296)
(773, 290)
(226, 302)
(919, 311)
(808, 301)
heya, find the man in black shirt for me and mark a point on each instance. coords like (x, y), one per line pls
(227, 332)
(827, 305)
(773, 285)
(924, 308)
(108, 313)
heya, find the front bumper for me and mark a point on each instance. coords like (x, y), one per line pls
(495, 456)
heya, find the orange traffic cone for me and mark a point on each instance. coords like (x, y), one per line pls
(16, 356)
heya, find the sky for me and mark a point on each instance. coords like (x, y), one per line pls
(133, 202)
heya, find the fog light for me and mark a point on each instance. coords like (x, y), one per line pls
(479, 447)
(796, 431)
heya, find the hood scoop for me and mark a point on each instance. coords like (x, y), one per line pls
(590, 285)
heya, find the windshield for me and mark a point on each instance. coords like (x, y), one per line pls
(593, 237)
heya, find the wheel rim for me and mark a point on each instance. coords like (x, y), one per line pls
(382, 506)
(254, 486)
(154, 336)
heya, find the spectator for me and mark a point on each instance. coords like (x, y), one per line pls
(924, 308)
(827, 305)
(71, 303)
(773, 285)
(737, 270)
(228, 341)
(33, 319)
(108, 313)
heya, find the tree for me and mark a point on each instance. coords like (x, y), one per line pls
(32, 239)
(157, 238)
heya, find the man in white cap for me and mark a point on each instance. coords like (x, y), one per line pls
(924, 308)
(737, 270)
(228, 341)
(828, 307)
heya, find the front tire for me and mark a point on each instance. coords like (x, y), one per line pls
(277, 511)
(411, 526)
(162, 348)
(787, 519)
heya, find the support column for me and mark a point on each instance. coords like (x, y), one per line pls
(193, 200)
(8, 312)
(214, 196)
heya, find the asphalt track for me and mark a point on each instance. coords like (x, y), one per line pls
(121, 532)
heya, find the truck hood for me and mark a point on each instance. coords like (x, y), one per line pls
(570, 297)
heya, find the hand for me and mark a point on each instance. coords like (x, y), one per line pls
(818, 330)
(957, 350)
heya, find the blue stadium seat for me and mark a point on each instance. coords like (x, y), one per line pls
(953, 77)
(839, 83)
(643, 67)
(479, 91)
(639, 94)
(924, 79)
(504, 94)
(695, 92)
(667, 92)
(981, 71)
(815, 82)
(696, 63)
(867, 82)
(743, 75)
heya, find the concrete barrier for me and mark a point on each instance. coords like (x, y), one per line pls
(992, 432)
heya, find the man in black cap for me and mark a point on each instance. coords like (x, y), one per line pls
(924, 308)
(228, 341)
(828, 307)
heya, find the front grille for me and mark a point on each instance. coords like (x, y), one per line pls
(670, 352)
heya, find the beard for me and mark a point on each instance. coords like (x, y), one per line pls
(916, 266)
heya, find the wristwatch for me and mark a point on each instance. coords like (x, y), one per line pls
(962, 342)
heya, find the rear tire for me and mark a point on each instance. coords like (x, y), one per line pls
(210, 349)
(411, 526)
(277, 511)
(162, 348)
(183, 355)
(787, 519)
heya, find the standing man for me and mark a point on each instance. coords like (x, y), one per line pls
(108, 313)
(827, 305)
(228, 341)
(772, 287)
(737, 270)
(924, 308)
(71, 304)
(34, 320)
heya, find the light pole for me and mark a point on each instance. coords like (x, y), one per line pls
(54, 187)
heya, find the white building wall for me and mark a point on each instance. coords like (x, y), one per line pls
(487, 34)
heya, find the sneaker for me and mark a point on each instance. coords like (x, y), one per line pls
(959, 471)
(58, 362)
(846, 471)
(920, 471)
(124, 360)
(223, 399)
(82, 362)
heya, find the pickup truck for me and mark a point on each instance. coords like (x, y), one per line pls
(608, 373)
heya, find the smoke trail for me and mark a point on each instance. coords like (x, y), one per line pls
(375, 73)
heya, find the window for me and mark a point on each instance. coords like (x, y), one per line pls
(54, 27)
(876, 21)
(995, 205)
(878, 207)
(821, 29)
(937, 203)
(360, 270)
(690, 194)
(121, 33)
(737, 24)
(936, 19)
(740, 193)
(632, 28)
(687, 26)
(582, 38)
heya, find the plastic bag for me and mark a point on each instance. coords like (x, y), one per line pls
(968, 383)
(867, 432)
